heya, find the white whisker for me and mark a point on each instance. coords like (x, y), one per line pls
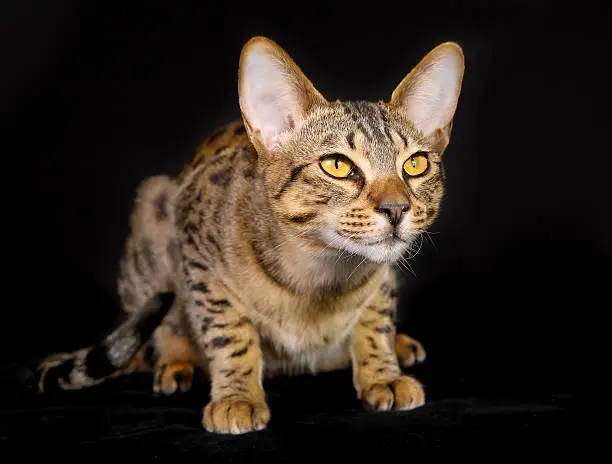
(356, 267)
(419, 249)
(420, 244)
(431, 240)
(410, 268)
(405, 266)
(339, 237)
(343, 249)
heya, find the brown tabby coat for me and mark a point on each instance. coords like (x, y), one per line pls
(276, 266)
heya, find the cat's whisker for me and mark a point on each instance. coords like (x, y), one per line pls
(343, 249)
(356, 267)
(405, 265)
(339, 237)
(420, 245)
(431, 240)
(413, 254)
(399, 265)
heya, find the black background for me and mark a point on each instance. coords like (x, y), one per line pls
(98, 95)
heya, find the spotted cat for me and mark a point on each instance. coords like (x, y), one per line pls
(278, 241)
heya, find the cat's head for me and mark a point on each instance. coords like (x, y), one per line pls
(356, 176)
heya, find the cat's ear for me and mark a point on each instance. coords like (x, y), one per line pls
(275, 96)
(428, 95)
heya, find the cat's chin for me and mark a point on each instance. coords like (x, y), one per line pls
(387, 250)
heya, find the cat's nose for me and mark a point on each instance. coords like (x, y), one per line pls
(393, 211)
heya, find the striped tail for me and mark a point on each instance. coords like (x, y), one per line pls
(113, 354)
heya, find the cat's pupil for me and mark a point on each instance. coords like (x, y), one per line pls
(337, 162)
(413, 162)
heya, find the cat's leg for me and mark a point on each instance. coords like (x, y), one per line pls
(231, 346)
(409, 350)
(151, 265)
(169, 355)
(172, 358)
(377, 375)
(175, 356)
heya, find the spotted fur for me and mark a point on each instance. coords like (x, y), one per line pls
(275, 266)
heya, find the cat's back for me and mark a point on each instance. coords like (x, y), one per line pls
(224, 145)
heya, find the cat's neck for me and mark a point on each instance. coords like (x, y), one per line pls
(298, 261)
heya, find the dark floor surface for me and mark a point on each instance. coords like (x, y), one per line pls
(313, 417)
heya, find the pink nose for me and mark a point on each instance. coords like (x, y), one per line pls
(393, 211)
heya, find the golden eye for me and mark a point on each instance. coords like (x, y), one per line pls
(337, 166)
(417, 164)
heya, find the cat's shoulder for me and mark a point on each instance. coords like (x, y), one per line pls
(229, 135)
(224, 140)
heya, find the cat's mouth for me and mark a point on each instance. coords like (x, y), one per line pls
(390, 239)
(380, 249)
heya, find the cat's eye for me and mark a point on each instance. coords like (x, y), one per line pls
(417, 164)
(337, 166)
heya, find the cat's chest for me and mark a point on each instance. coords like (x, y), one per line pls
(295, 325)
(306, 327)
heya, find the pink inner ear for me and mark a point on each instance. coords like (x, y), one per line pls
(268, 94)
(274, 93)
(431, 104)
(271, 114)
(274, 121)
(430, 97)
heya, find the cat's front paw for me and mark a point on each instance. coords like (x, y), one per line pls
(401, 394)
(172, 377)
(409, 350)
(235, 415)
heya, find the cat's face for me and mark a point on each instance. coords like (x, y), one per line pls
(356, 176)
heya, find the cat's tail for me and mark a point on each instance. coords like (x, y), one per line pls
(112, 355)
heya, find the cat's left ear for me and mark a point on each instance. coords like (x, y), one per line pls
(275, 96)
(428, 95)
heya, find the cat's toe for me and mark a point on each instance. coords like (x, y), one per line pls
(172, 377)
(378, 397)
(408, 393)
(400, 394)
(235, 415)
(409, 350)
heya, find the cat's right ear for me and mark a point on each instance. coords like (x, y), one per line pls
(429, 94)
(275, 96)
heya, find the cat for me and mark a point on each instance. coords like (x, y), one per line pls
(275, 245)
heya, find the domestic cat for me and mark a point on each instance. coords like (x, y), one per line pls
(273, 250)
